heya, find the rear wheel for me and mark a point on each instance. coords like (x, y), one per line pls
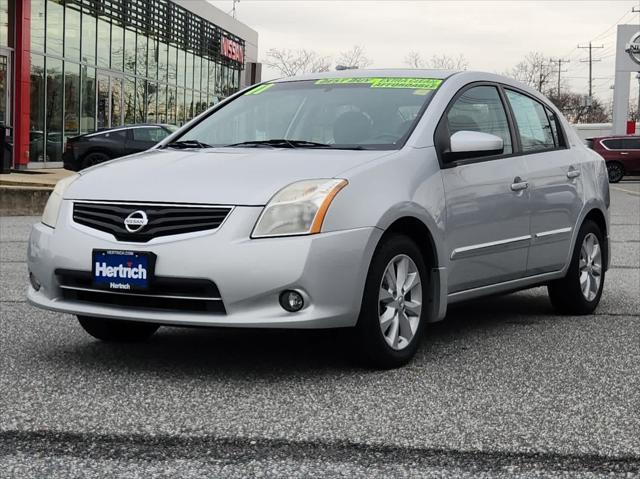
(94, 158)
(392, 316)
(115, 330)
(615, 170)
(580, 290)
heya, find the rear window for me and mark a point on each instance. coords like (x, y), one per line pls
(589, 143)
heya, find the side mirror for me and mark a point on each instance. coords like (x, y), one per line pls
(473, 144)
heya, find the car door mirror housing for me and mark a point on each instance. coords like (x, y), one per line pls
(473, 144)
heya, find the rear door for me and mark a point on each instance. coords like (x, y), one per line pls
(630, 155)
(487, 200)
(554, 175)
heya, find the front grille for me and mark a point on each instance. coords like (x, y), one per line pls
(163, 220)
(165, 294)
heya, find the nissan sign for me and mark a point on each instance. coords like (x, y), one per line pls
(633, 48)
(232, 50)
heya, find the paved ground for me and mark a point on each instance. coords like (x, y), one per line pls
(503, 388)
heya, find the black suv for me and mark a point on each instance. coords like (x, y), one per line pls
(103, 145)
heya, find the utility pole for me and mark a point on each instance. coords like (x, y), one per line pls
(559, 61)
(590, 60)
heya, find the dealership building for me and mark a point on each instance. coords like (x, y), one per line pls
(69, 67)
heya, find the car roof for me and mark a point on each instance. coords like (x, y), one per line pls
(613, 137)
(380, 72)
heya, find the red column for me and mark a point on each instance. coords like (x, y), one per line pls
(21, 94)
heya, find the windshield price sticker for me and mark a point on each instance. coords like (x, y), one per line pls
(260, 89)
(388, 82)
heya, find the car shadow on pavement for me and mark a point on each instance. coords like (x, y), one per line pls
(277, 354)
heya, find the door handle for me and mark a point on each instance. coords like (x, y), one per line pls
(624, 152)
(519, 184)
(573, 173)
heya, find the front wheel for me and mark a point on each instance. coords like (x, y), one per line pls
(115, 330)
(580, 290)
(392, 315)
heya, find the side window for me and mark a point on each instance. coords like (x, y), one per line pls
(630, 144)
(480, 109)
(148, 134)
(612, 144)
(556, 129)
(120, 135)
(535, 130)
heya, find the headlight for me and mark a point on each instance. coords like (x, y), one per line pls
(51, 210)
(298, 209)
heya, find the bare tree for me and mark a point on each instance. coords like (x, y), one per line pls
(293, 62)
(356, 57)
(579, 109)
(536, 71)
(437, 62)
(414, 60)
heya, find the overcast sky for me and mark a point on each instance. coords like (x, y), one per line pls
(492, 35)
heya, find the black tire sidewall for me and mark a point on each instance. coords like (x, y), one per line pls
(372, 345)
(570, 285)
(94, 158)
(618, 167)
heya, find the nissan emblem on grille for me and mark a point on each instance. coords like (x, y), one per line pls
(136, 221)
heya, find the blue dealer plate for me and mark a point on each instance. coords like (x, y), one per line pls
(122, 270)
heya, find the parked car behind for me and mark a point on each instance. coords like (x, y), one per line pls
(93, 148)
(622, 154)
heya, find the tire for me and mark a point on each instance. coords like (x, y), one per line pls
(94, 158)
(114, 330)
(615, 170)
(566, 294)
(374, 347)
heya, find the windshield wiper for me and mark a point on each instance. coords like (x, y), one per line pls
(281, 143)
(187, 144)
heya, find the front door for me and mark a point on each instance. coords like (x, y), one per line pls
(487, 199)
(109, 99)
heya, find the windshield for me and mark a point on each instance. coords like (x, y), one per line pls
(362, 113)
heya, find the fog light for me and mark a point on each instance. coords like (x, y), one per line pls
(34, 282)
(291, 301)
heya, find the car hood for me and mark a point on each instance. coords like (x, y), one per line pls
(231, 176)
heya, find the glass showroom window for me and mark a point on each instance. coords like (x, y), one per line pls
(152, 57)
(72, 34)
(130, 52)
(152, 98)
(54, 82)
(180, 107)
(36, 120)
(71, 99)
(141, 55)
(129, 100)
(117, 47)
(4, 22)
(161, 116)
(37, 24)
(88, 100)
(162, 62)
(89, 39)
(104, 42)
(55, 22)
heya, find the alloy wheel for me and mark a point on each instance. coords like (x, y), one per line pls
(615, 172)
(400, 302)
(590, 267)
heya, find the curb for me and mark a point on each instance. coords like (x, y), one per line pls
(22, 200)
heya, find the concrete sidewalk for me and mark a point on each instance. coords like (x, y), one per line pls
(46, 178)
(26, 193)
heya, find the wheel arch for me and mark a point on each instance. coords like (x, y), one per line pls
(598, 217)
(416, 229)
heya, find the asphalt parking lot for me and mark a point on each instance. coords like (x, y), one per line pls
(502, 388)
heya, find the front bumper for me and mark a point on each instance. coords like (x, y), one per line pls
(329, 269)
